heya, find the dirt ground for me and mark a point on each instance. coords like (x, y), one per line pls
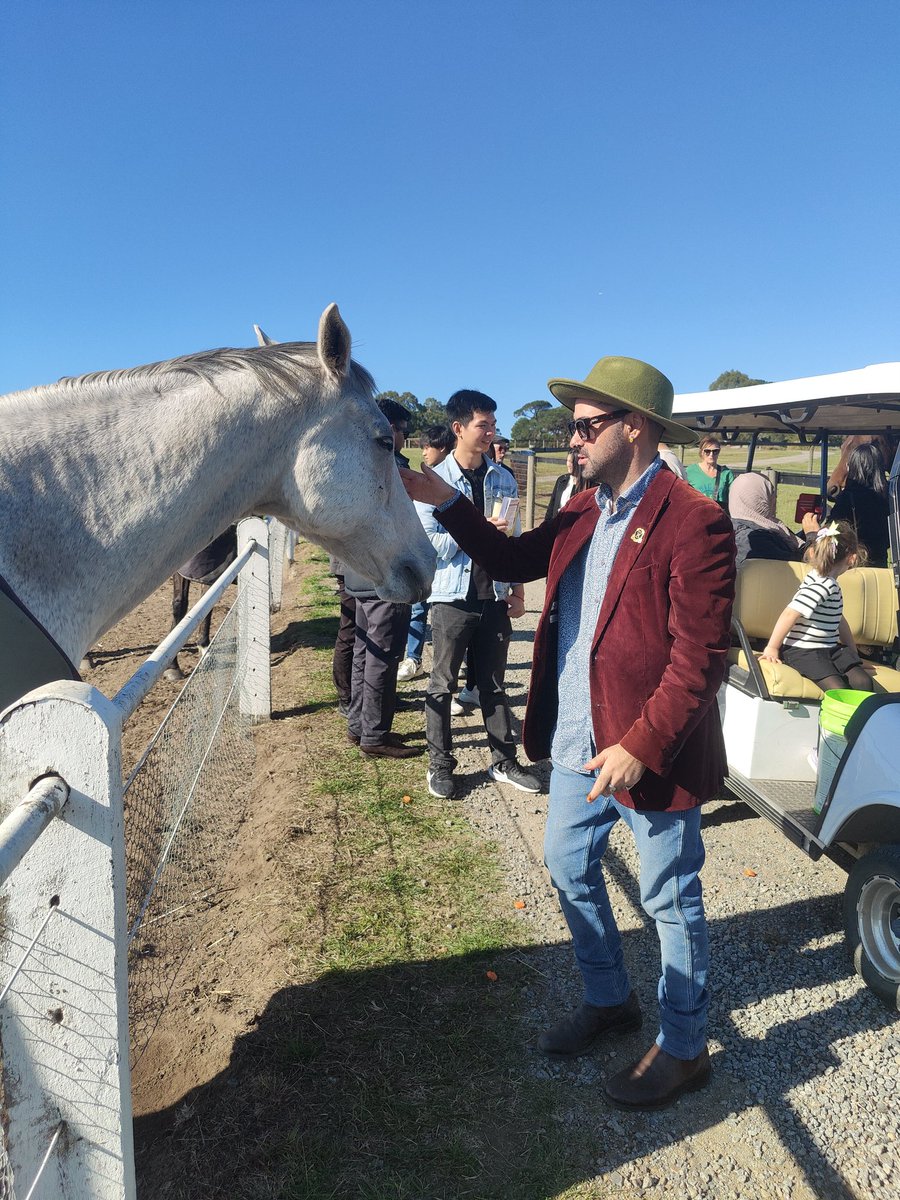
(237, 963)
(803, 1055)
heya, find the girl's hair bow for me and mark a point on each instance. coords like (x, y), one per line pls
(831, 531)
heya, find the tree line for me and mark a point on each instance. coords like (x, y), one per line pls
(422, 413)
(538, 423)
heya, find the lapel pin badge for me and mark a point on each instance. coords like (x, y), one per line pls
(638, 535)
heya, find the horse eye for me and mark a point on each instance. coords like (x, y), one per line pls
(386, 442)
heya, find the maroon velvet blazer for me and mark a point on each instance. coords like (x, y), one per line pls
(662, 636)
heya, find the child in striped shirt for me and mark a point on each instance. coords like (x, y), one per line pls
(812, 635)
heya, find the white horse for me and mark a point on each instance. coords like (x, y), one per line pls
(109, 482)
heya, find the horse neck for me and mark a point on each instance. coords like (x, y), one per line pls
(136, 489)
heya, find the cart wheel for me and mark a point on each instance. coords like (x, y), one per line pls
(872, 921)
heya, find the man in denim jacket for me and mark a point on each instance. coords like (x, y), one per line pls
(469, 608)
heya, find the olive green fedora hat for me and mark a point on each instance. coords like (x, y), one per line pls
(627, 383)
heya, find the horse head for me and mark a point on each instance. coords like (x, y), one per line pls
(886, 443)
(342, 488)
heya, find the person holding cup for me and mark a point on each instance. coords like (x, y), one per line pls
(469, 609)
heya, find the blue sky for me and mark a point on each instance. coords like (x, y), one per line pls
(494, 193)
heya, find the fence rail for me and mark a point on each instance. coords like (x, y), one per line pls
(133, 692)
(70, 880)
(28, 820)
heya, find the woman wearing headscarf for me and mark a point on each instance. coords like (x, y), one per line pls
(757, 531)
(863, 503)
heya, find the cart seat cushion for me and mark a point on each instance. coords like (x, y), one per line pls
(766, 587)
(785, 683)
(886, 678)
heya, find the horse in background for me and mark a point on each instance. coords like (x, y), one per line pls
(886, 442)
(109, 481)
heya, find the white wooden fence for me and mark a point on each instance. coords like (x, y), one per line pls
(64, 1030)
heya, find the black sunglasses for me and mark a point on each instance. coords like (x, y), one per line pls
(587, 428)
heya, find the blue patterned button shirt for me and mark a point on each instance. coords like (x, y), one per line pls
(581, 592)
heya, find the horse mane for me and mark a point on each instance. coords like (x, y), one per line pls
(278, 368)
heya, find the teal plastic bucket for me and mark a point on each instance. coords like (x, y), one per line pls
(838, 706)
(831, 750)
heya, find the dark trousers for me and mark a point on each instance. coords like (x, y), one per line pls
(342, 661)
(485, 627)
(381, 629)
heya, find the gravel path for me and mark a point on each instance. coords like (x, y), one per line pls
(803, 1102)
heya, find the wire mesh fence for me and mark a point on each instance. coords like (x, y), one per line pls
(184, 803)
(6, 1176)
(17, 949)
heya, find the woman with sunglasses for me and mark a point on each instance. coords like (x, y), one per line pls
(707, 476)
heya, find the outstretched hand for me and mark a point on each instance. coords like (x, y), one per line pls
(426, 486)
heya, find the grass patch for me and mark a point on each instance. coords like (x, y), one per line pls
(391, 1065)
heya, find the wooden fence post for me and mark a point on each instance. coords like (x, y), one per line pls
(530, 489)
(64, 1019)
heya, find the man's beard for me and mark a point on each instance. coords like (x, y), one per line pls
(611, 465)
(589, 472)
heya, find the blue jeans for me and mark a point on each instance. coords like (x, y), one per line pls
(671, 855)
(418, 623)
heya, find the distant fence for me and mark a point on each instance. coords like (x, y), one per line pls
(112, 878)
(537, 471)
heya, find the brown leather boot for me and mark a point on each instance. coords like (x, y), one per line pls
(577, 1033)
(658, 1079)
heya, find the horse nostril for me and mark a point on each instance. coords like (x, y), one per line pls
(417, 579)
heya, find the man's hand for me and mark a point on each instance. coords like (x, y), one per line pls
(618, 770)
(427, 487)
(516, 605)
(810, 523)
(500, 523)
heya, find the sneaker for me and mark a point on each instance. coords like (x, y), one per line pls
(511, 772)
(408, 669)
(456, 709)
(441, 783)
(469, 696)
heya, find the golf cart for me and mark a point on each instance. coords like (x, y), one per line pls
(770, 713)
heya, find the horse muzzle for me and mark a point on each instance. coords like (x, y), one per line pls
(408, 583)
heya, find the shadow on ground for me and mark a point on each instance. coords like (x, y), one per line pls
(421, 1079)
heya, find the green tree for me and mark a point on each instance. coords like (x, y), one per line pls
(433, 413)
(733, 379)
(532, 408)
(546, 428)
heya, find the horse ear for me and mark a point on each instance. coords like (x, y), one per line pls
(334, 342)
(262, 339)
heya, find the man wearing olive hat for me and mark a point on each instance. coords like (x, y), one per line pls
(628, 657)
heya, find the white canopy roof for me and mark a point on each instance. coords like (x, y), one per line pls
(862, 401)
